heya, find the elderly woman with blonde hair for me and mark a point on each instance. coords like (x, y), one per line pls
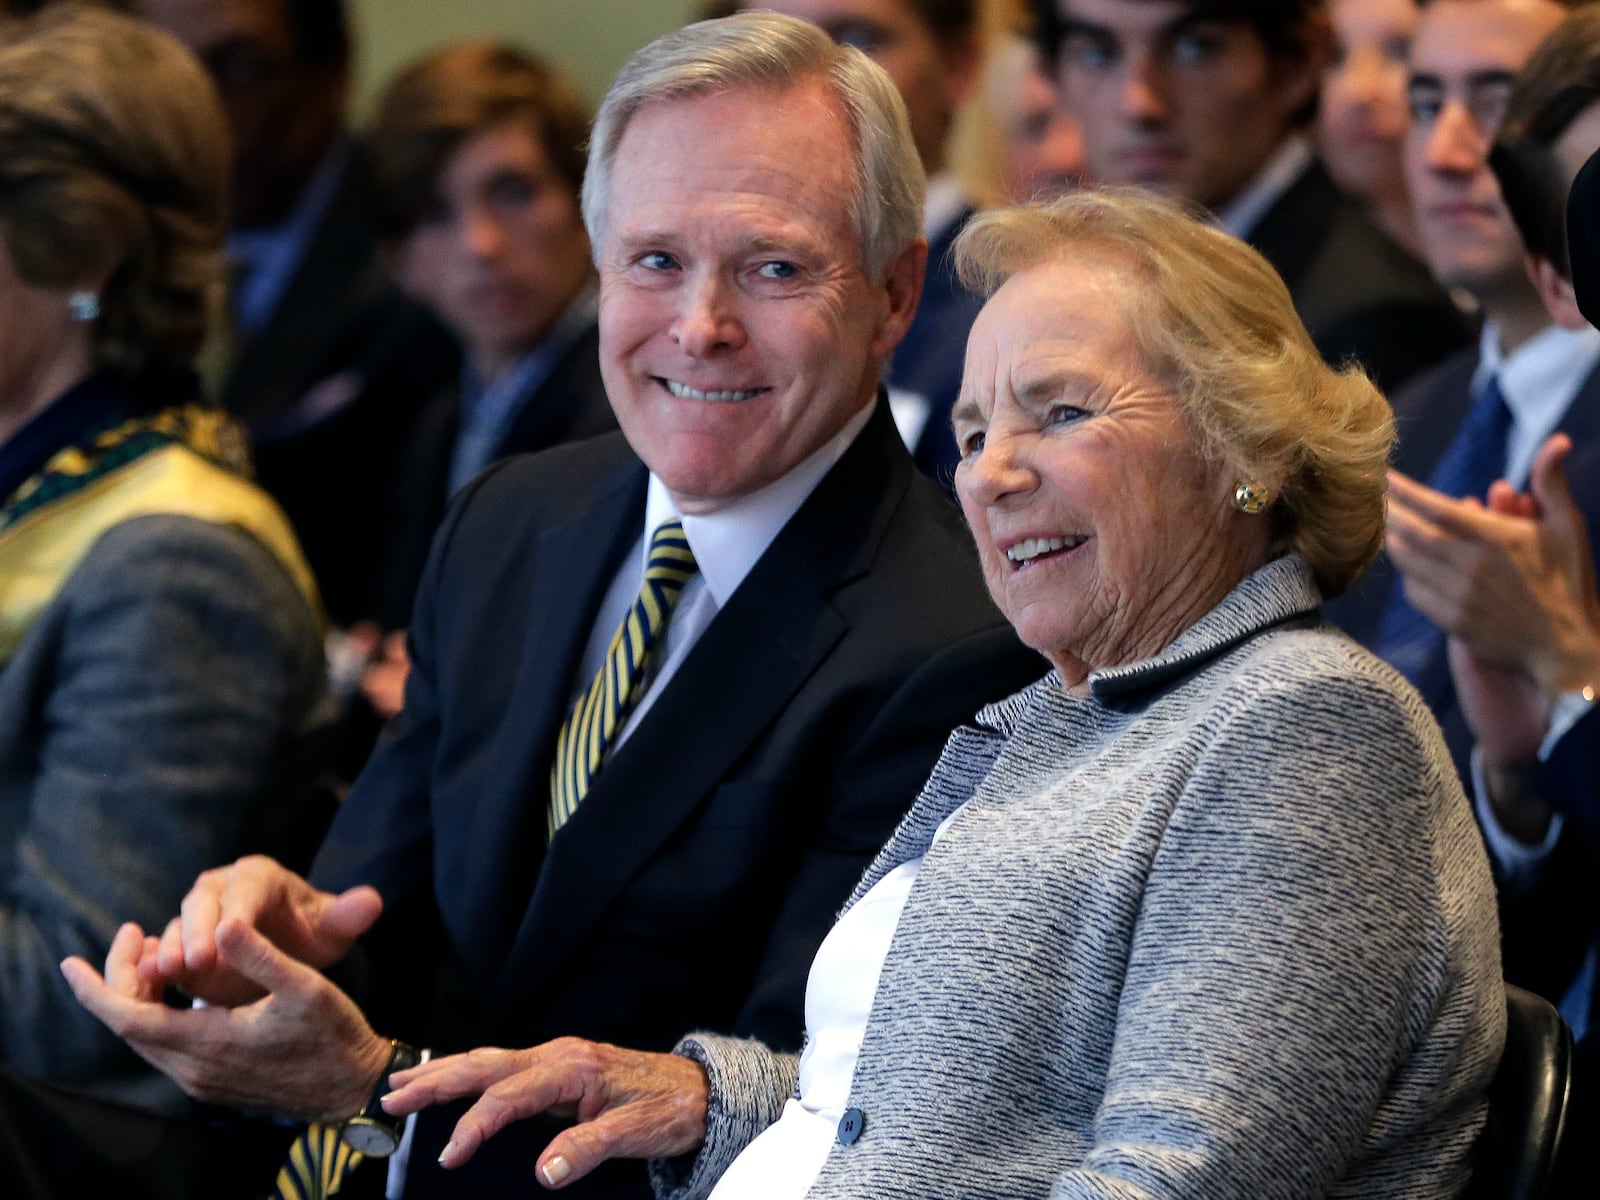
(1203, 913)
(161, 674)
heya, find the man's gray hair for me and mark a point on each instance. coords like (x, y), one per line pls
(773, 53)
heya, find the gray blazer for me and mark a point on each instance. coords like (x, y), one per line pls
(1222, 929)
(153, 723)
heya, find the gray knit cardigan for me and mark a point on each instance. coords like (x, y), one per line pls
(1221, 929)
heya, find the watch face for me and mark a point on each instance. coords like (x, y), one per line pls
(371, 1138)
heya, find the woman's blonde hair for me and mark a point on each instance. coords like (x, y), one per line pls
(1216, 321)
(114, 165)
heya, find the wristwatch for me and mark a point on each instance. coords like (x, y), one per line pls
(373, 1131)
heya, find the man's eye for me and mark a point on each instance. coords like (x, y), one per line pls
(1424, 106)
(657, 260)
(971, 443)
(1087, 53)
(777, 270)
(1487, 105)
(512, 192)
(1397, 49)
(1064, 414)
(1193, 49)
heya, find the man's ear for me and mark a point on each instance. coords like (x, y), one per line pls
(1555, 290)
(902, 288)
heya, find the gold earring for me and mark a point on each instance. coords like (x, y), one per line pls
(1252, 497)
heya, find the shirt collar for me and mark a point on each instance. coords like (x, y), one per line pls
(728, 543)
(1282, 171)
(945, 203)
(532, 367)
(1539, 380)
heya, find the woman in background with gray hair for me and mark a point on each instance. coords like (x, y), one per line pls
(160, 659)
(1201, 914)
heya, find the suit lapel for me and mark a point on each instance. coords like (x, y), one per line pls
(506, 845)
(669, 764)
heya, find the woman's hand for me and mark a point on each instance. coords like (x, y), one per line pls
(628, 1104)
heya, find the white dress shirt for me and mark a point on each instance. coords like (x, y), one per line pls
(783, 1161)
(726, 545)
(1278, 174)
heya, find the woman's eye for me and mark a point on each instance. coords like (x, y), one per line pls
(778, 270)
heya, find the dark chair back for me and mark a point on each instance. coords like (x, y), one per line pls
(1516, 1154)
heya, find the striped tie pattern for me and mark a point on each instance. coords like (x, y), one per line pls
(603, 709)
(319, 1164)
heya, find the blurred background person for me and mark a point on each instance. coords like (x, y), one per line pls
(932, 50)
(1211, 103)
(1016, 142)
(477, 156)
(161, 675)
(1482, 414)
(1511, 583)
(321, 353)
(1361, 112)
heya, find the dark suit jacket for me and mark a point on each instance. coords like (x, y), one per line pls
(1360, 295)
(929, 360)
(743, 808)
(1427, 415)
(345, 358)
(1550, 928)
(569, 405)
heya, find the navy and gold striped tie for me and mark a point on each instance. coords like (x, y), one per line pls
(603, 709)
(318, 1165)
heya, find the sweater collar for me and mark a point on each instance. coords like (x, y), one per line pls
(1281, 592)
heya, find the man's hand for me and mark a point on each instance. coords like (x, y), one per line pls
(302, 1050)
(311, 926)
(1514, 581)
(383, 683)
(628, 1104)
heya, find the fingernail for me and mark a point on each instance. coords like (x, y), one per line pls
(555, 1171)
(386, 1097)
(447, 1155)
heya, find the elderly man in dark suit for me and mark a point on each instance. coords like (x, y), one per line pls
(1207, 102)
(559, 810)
